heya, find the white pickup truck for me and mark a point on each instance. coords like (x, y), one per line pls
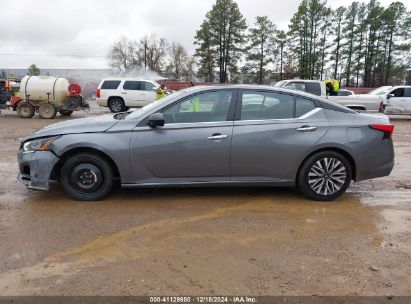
(398, 100)
(363, 102)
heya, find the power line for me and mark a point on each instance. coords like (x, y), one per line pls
(53, 55)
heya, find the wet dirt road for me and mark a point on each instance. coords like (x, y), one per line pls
(204, 241)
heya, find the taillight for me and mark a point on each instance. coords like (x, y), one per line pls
(382, 107)
(387, 129)
(98, 93)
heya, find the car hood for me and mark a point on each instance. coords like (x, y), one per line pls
(80, 125)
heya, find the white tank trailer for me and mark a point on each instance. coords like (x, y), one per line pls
(48, 95)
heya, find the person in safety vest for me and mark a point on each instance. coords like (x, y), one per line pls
(4, 92)
(333, 86)
(196, 104)
(161, 92)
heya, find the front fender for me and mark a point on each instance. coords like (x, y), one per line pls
(115, 146)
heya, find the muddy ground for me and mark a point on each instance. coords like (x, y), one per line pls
(204, 241)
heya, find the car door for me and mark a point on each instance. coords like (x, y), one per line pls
(400, 102)
(132, 93)
(193, 146)
(108, 88)
(148, 92)
(272, 134)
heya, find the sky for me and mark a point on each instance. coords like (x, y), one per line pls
(78, 34)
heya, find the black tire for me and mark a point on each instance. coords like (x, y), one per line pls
(65, 112)
(87, 177)
(116, 105)
(47, 111)
(25, 110)
(328, 184)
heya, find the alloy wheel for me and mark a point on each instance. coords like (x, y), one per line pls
(327, 176)
(116, 106)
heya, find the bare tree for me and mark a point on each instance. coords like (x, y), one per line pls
(147, 53)
(121, 54)
(178, 60)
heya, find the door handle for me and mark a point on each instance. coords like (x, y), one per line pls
(123, 92)
(217, 136)
(306, 129)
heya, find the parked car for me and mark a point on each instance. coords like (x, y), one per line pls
(344, 92)
(398, 100)
(361, 102)
(119, 94)
(216, 135)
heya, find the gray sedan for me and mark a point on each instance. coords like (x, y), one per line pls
(216, 135)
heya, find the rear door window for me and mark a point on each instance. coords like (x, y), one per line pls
(132, 85)
(407, 92)
(267, 105)
(110, 85)
(303, 106)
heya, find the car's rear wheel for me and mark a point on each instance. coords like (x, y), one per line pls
(87, 177)
(324, 176)
(116, 105)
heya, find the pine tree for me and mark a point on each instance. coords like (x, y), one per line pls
(222, 32)
(261, 38)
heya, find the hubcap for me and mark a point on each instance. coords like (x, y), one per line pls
(86, 178)
(116, 106)
(327, 176)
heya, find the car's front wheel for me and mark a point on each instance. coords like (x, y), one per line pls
(87, 177)
(324, 176)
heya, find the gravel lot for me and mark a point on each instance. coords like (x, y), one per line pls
(225, 241)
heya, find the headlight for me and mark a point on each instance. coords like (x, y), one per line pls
(42, 144)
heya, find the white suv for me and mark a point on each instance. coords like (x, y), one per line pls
(119, 94)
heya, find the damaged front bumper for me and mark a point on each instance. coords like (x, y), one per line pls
(36, 168)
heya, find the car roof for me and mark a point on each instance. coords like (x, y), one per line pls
(301, 80)
(200, 88)
(128, 78)
(326, 102)
(401, 86)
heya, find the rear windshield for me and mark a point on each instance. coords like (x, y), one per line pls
(110, 85)
(313, 88)
(309, 87)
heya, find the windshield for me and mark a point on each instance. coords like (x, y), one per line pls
(380, 91)
(149, 107)
(280, 83)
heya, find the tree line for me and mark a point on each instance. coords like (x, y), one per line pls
(362, 44)
(170, 60)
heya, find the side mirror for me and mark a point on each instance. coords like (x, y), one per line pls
(390, 96)
(156, 120)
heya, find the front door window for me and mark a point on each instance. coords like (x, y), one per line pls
(205, 107)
